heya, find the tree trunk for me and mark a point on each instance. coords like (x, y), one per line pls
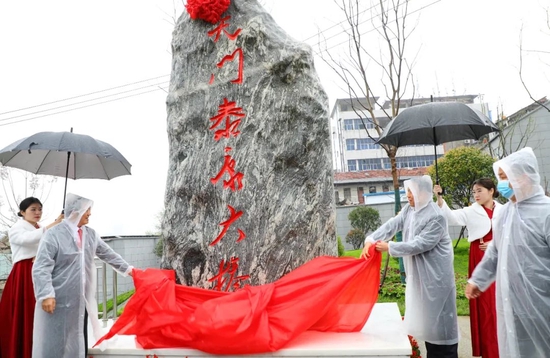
(395, 176)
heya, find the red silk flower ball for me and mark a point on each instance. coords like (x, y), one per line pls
(207, 10)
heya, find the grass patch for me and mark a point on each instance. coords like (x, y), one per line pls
(120, 300)
(394, 291)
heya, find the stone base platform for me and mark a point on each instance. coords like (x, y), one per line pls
(382, 336)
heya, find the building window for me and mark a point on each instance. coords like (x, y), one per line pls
(367, 143)
(370, 164)
(352, 165)
(385, 187)
(350, 144)
(358, 124)
(372, 189)
(362, 143)
(418, 161)
(347, 194)
(369, 123)
(348, 124)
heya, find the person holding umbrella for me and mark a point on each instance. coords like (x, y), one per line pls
(17, 304)
(518, 260)
(430, 294)
(64, 277)
(478, 220)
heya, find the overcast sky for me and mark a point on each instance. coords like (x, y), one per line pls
(55, 50)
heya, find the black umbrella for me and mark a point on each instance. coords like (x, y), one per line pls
(65, 154)
(436, 123)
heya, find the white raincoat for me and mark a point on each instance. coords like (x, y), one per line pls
(430, 295)
(518, 259)
(68, 274)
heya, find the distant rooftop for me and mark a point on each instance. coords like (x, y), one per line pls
(362, 103)
(376, 175)
(405, 103)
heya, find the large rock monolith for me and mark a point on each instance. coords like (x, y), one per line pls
(283, 151)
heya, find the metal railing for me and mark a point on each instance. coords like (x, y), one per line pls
(114, 293)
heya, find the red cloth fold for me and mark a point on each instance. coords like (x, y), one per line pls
(325, 294)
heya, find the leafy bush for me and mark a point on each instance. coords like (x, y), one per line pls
(356, 238)
(341, 247)
(364, 218)
(159, 247)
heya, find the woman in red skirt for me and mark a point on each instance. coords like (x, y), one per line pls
(477, 218)
(17, 304)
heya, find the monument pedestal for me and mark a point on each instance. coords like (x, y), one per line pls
(382, 336)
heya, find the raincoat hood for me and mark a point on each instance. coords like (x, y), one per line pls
(421, 189)
(522, 171)
(75, 207)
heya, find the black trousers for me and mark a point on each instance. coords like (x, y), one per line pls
(441, 351)
(85, 333)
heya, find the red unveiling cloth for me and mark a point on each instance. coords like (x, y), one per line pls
(17, 312)
(483, 313)
(325, 294)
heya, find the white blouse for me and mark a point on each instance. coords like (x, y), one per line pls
(24, 239)
(474, 217)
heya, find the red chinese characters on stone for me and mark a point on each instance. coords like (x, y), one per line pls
(235, 178)
(231, 57)
(231, 36)
(222, 28)
(226, 111)
(234, 216)
(227, 276)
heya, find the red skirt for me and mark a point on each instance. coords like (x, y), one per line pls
(17, 312)
(483, 314)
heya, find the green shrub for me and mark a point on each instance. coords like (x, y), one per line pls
(341, 248)
(356, 238)
(159, 247)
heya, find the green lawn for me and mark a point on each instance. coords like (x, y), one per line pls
(120, 300)
(394, 291)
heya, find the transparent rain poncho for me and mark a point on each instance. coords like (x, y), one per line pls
(430, 295)
(518, 259)
(67, 273)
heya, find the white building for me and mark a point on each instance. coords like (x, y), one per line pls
(528, 127)
(355, 149)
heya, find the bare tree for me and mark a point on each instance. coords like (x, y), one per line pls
(540, 53)
(15, 186)
(366, 68)
(515, 132)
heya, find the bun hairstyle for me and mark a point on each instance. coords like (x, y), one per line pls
(488, 184)
(24, 205)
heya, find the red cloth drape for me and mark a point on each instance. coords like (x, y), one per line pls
(17, 312)
(483, 315)
(325, 294)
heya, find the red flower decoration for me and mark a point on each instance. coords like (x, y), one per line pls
(207, 10)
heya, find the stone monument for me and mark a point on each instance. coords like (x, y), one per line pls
(249, 194)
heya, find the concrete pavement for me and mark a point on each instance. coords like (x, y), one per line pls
(465, 343)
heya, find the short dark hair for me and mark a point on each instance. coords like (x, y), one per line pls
(24, 205)
(488, 184)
